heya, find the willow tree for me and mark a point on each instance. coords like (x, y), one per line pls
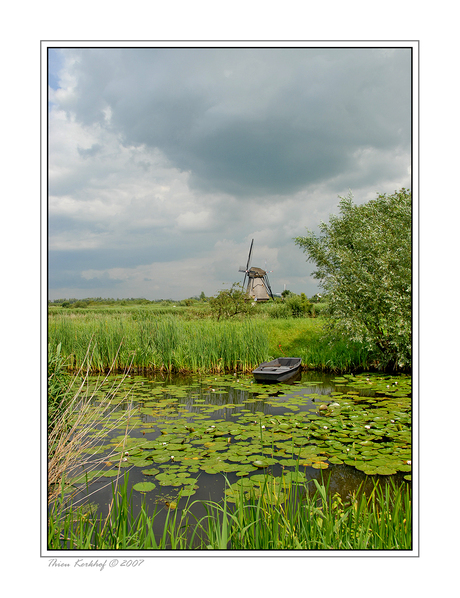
(363, 262)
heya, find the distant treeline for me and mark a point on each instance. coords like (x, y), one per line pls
(132, 301)
(89, 301)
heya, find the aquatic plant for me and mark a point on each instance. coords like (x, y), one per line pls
(278, 516)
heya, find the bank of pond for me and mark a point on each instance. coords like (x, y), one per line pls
(219, 461)
(147, 343)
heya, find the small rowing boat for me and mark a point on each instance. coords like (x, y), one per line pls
(278, 370)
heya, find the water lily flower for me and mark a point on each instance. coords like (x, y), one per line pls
(172, 457)
(367, 427)
(325, 427)
(164, 443)
(263, 427)
(392, 421)
(409, 462)
(125, 459)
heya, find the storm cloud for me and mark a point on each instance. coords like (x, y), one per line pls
(170, 160)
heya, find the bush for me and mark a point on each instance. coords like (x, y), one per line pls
(364, 264)
(231, 302)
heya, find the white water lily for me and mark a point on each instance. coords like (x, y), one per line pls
(367, 427)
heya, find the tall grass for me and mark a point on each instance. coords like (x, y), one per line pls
(164, 343)
(151, 340)
(77, 429)
(302, 519)
(307, 338)
(70, 528)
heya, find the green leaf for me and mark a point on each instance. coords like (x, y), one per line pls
(144, 486)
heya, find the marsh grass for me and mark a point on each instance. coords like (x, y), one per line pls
(293, 517)
(164, 343)
(76, 430)
(153, 342)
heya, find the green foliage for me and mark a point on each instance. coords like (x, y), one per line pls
(293, 306)
(363, 261)
(231, 302)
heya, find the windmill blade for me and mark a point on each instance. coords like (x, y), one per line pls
(249, 256)
(248, 264)
(244, 280)
(267, 286)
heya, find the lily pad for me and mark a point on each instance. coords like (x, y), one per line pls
(144, 486)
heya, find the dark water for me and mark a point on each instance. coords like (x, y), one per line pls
(192, 400)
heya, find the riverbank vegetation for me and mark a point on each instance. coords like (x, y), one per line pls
(147, 342)
(274, 516)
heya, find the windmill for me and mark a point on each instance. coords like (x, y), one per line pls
(258, 285)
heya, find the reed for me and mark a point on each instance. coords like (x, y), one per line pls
(150, 341)
(70, 528)
(298, 518)
(164, 343)
(76, 431)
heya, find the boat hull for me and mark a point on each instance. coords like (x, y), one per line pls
(278, 370)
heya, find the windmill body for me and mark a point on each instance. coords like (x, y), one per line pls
(256, 279)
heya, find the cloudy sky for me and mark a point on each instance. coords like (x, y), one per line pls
(164, 163)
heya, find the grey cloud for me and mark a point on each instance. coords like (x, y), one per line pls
(90, 152)
(282, 120)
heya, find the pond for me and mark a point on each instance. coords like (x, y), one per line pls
(188, 438)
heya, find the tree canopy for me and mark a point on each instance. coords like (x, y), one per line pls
(363, 261)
